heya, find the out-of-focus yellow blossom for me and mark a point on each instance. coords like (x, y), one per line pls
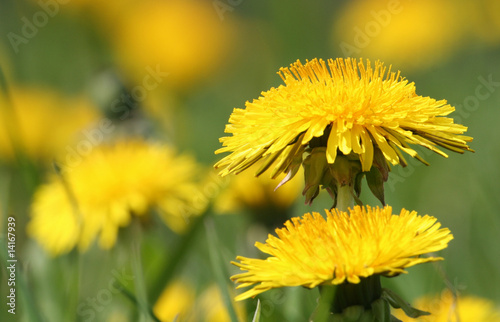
(409, 34)
(102, 193)
(447, 308)
(184, 38)
(40, 123)
(178, 301)
(245, 191)
(211, 308)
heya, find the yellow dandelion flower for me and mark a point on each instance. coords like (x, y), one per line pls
(336, 109)
(344, 248)
(347, 106)
(448, 308)
(102, 193)
(40, 123)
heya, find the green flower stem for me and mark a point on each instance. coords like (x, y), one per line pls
(363, 294)
(345, 199)
(170, 264)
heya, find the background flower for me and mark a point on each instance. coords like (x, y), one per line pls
(447, 308)
(40, 122)
(485, 20)
(262, 198)
(409, 34)
(182, 38)
(175, 302)
(109, 187)
(178, 302)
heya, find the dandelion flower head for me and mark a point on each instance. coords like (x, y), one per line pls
(344, 247)
(347, 107)
(40, 122)
(112, 184)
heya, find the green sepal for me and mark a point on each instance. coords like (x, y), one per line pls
(367, 316)
(315, 166)
(350, 314)
(375, 181)
(341, 170)
(355, 313)
(398, 303)
(380, 162)
(357, 200)
(357, 183)
(381, 310)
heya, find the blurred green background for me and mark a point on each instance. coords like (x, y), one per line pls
(218, 55)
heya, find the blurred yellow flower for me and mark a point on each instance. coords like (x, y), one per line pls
(447, 308)
(178, 301)
(112, 184)
(410, 34)
(344, 248)
(265, 200)
(175, 302)
(211, 308)
(245, 191)
(183, 38)
(40, 123)
(343, 107)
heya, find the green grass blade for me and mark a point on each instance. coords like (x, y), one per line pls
(140, 286)
(171, 263)
(218, 268)
(3, 83)
(256, 316)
